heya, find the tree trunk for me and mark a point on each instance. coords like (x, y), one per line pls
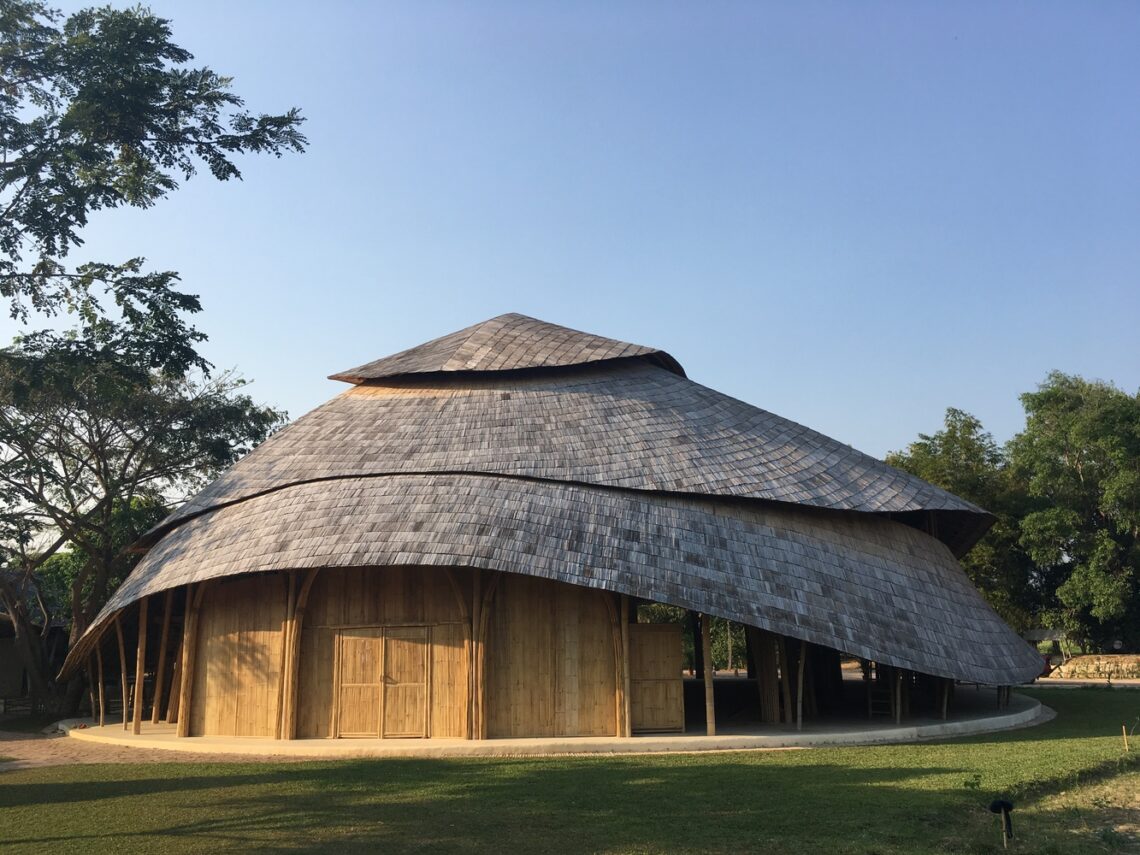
(30, 647)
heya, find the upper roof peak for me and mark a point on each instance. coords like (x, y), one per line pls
(506, 343)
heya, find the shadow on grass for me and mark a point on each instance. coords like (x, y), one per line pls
(910, 798)
(650, 804)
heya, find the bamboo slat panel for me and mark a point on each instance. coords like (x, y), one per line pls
(449, 684)
(406, 659)
(550, 661)
(239, 658)
(371, 596)
(316, 682)
(377, 602)
(360, 682)
(657, 700)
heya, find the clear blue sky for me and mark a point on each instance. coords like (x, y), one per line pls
(851, 214)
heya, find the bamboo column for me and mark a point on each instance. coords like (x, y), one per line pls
(627, 724)
(800, 687)
(785, 678)
(122, 668)
(160, 670)
(290, 711)
(286, 629)
(473, 663)
(140, 667)
(99, 667)
(706, 653)
(91, 687)
(189, 654)
(175, 685)
(481, 670)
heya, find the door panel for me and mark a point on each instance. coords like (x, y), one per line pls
(359, 682)
(405, 682)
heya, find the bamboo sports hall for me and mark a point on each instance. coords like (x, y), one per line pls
(462, 544)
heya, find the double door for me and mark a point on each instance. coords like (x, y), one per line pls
(382, 681)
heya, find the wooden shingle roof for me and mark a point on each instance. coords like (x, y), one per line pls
(531, 448)
(509, 342)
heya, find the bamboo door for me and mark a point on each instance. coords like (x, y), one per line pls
(359, 684)
(405, 694)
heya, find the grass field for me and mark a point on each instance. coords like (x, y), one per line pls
(1075, 792)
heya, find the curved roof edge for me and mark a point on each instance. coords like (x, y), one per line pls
(510, 342)
(865, 585)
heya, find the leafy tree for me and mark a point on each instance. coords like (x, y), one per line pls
(101, 426)
(1080, 457)
(91, 446)
(100, 110)
(964, 459)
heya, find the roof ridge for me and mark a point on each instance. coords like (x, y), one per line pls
(508, 342)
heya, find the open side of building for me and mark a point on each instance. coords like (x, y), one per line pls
(460, 544)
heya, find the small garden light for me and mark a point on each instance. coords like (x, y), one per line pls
(1004, 808)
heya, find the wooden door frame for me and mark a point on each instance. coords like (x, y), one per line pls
(382, 637)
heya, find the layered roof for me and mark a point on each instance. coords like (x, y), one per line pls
(522, 446)
(510, 342)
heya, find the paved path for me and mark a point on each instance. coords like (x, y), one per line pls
(36, 749)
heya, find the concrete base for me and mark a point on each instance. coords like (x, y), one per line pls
(1022, 712)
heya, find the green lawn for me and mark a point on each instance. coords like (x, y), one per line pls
(1074, 789)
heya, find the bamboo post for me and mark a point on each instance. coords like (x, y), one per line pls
(174, 711)
(898, 695)
(175, 686)
(867, 675)
(122, 668)
(800, 686)
(481, 671)
(140, 667)
(785, 679)
(473, 665)
(706, 654)
(1124, 731)
(189, 654)
(290, 711)
(627, 724)
(91, 687)
(160, 669)
(286, 634)
(99, 671)
(945, 697)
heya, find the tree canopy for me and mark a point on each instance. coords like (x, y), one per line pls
(98, 110)
(106, 425)
(1065, 550)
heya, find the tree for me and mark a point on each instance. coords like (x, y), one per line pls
(965, 460)
(1080, 457)
(91, 445)
(97, 111)
(102, 425)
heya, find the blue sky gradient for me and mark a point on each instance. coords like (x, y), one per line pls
(852, 214)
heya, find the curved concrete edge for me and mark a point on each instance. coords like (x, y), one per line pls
(1033, 713)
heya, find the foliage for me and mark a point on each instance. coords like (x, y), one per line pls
(100, 110)
(104, 425)
(93, 445)
(886, 799)
(964, 459)
(1080, 457)
(1065, 548)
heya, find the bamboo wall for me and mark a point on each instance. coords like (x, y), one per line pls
(238, 670)
(389, 652)
(550, 661)
(657, 701)
(384, 652)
